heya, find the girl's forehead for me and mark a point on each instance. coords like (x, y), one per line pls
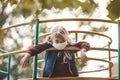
(59, 29)
(58, 36)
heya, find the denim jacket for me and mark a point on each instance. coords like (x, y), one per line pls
(50, 59)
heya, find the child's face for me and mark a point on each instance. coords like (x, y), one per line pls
(58, 38)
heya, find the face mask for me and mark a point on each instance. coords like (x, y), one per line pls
(60, 46)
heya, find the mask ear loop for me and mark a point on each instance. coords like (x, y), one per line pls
(49, 39)
(66, 56)
(70, 68)
(64, 59)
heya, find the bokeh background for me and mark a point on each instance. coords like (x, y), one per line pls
(20, 11)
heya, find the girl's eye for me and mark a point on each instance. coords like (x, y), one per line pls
(56, 41)
(63, 40)
(62, 32)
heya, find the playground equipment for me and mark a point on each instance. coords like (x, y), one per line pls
(104, 48)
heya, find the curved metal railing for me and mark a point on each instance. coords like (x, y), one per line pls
(61, 20)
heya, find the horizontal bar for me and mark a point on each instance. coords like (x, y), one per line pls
(67, 48)
(78, 19)
(92, 48)
(3, 72)
(59, 20)
(72, 78)
(3, 51)
(12, 53)
(86, 32)
(96, 59)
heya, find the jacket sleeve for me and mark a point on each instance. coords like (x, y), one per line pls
(39, 48)
(82, 45)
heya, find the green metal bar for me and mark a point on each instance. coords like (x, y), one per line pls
(4, 72)
(8, 66)
(118, 49)
(34, 76)
(3, 51)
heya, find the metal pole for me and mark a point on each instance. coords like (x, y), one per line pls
(118, 49)
(8, 66)
(34, 75)
(109, 58)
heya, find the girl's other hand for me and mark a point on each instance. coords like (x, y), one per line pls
(25, 60)
(84, 58)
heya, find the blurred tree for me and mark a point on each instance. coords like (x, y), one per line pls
(114, 9)
(36, 8)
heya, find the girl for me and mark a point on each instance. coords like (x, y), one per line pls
(59, 62)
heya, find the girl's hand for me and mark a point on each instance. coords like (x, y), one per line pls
(25, 60)
(84, 58)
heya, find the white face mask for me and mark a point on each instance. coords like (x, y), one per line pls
(60, 46)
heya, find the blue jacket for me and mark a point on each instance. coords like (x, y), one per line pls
(50, 59)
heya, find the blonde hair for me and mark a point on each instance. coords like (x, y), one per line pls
(62, 31)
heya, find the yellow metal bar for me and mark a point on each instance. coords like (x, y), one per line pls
(59, 20)
(72, 78)
(67, 48)
(86, 32)
(13, 53)
(96, 59)
(109, 58)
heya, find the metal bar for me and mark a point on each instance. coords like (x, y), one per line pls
(34, 76)
(3, 51)
(13, 53)
(4, 72)
(118, 49)
(109, 58)
(76, 55)
(8, 65)
(61, 20)
(73, 78)
(76, 78)
(67, 48)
